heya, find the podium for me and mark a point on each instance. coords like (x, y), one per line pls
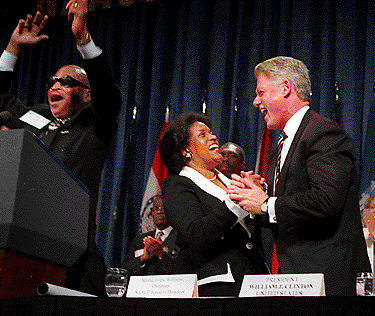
(43, 215)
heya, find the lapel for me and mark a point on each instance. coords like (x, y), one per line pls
(63, 128)
(205, 184)
(150, 233)
(212, 189)
(170, 242)
(296, 140)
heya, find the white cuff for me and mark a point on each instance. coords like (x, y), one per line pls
(90, 50)
(138, 253)
(7, 61)
(236, 210)
(271, 209)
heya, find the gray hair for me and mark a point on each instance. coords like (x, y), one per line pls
(280, 68)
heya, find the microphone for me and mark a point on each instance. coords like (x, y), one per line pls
(337, 92)
(5, 117)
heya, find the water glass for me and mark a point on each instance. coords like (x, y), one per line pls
(116, 282)
(365, 283)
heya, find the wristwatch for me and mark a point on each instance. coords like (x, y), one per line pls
(264, 206)
(85, 40)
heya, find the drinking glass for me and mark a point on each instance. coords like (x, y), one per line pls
(365, 283)
(116, 282)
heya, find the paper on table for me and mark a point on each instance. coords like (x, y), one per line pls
(228, 277)
(51, 289)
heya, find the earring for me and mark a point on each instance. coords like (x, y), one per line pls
(188, 155)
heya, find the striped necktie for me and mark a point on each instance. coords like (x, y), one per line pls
(280, 143)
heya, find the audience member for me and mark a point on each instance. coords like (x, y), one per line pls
(212, 233)
(82, 125)
(369, 227)
(233, 159)
(312, 202)
(154, 252)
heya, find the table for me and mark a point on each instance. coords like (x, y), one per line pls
(87, 306)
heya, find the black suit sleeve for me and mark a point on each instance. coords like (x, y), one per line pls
(130, 262)
(200, 222)
(105, 94)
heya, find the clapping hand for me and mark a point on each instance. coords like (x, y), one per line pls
(254, 178)
(153, 247)
(247, 193)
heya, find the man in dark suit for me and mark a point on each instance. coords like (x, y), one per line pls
(312, 203)
(153, 252)
(81, 114)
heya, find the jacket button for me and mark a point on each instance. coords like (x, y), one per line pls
(249, 245)
(62, 148)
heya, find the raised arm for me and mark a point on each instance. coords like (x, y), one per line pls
(27, 32)
(77, 13)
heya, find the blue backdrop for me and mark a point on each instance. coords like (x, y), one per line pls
(183, 50)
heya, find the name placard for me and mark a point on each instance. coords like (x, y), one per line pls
(163, 286)
(307, 284)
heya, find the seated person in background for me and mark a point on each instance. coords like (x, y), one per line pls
(369, 227)
(211, 229)
(153, 252)
(233, 159)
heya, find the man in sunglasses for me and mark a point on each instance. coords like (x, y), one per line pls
(80, 125)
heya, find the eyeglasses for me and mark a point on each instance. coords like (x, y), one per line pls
(65, 81)
(160, 208)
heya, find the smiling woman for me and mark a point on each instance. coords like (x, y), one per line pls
(211, 229)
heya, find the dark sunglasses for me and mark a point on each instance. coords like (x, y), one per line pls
(65, 81)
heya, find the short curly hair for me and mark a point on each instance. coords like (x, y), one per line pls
(176, 138)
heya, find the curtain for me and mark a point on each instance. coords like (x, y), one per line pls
(180, 50)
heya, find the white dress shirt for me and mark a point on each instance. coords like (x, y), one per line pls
(165, 233)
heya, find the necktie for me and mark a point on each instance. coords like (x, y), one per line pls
(55, 124)
(280, 142)
(274, 261)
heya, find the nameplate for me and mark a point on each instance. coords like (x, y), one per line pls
(34, 119)
(163, 286)
(307, 284)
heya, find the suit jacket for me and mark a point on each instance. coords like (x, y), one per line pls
(82, 144)
(317, 208)
(209, 237)
(154, 265)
